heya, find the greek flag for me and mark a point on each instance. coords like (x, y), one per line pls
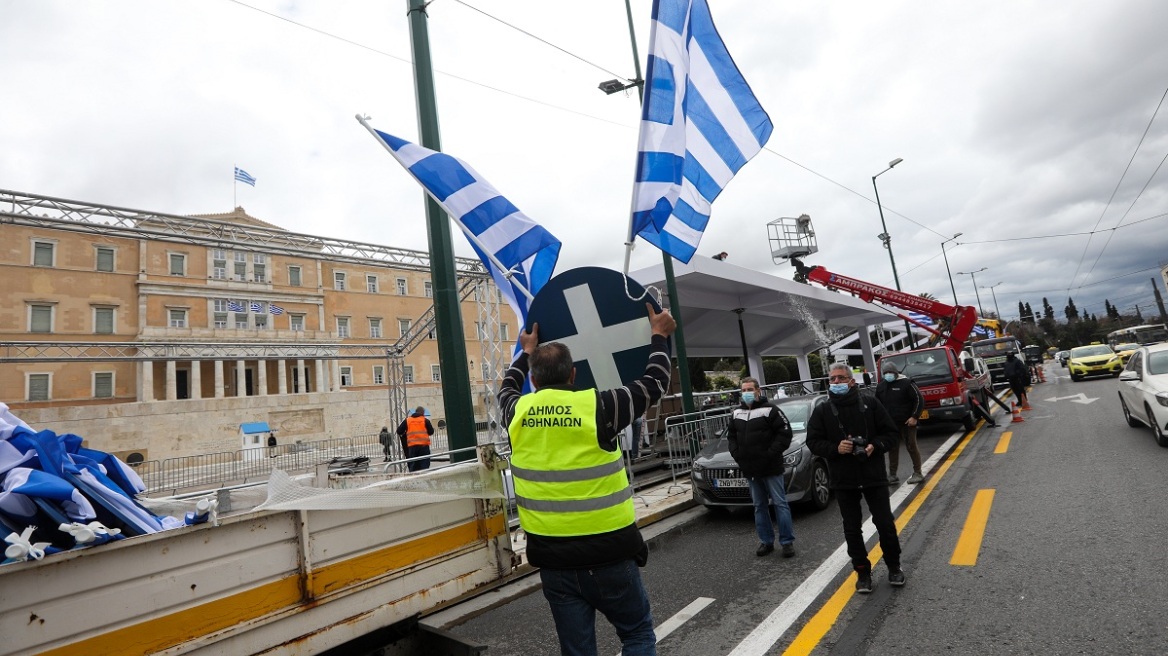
(492, 224)
(244, 176)
(700, 124)
(275, 309)
(232, 306)
(922, 318)
(257, 307)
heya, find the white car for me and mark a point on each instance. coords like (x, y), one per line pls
(1143, 390)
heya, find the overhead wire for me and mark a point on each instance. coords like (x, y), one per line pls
(1065, 234)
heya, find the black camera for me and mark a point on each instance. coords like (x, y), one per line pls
(859, 446)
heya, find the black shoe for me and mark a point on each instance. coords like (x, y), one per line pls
(788, 550)
(764, 549)
(895, 578)
(863, 582)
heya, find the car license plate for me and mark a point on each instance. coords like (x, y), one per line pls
(924, 414)
(730, 482)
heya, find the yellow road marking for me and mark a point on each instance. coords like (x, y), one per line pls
(1004, 442)
(969, 544)
(818, 626)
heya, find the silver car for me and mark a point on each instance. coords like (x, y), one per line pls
(718, 482)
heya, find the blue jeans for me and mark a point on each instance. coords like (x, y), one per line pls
(764, 491)
(616, 591)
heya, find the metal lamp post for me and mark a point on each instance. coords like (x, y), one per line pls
(995, 295)
(973, 276)
(946, 256)
(887, 240)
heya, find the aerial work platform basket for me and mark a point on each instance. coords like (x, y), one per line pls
(791, 237)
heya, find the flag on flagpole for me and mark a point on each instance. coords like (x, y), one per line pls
(275, 309)
(244, 176)
(257, 307)
(506, 240)
(700, 124)
(232, 306)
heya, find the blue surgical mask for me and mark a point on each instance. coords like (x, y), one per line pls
(839, 388)
(890, 377)
(748, 397)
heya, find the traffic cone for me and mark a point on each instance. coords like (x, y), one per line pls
(1017, 412)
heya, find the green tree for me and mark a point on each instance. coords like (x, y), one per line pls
(722, 383)
(774, 371)
(697, 376)
(1047, 310)
(1071, 311)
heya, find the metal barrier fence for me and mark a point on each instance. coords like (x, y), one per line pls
(686, 434)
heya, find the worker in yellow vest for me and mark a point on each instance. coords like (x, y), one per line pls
(573, 494)
(415, 434)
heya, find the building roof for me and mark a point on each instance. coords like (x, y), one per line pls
(238, 216)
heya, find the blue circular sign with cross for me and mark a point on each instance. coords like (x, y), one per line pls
(608, 333)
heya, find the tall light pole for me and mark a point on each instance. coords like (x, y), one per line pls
(943, 254)
(995, 295)
(887, 240)
(973, 276)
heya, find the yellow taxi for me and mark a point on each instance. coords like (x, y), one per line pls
(1093, 360)
(1125, 351)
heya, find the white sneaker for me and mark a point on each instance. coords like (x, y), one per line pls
(915, 478)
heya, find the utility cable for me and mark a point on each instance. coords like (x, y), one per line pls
(1066, 234)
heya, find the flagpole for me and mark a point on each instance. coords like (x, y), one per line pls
(687, 402)
(235, 191)
(507, 273)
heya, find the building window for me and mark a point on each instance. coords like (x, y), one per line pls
(342, 327)
(371, 284)
(428, 289)
(486, 371)
(433, 334)
(178, 264)
(403, 327)
(375, 328)
(103, 385)
(40, 318)
(480, 334)
(105, 259)
(378, 374)
(339, 281)
(436, 373)
(178, 318)
(346, 376)
(296, 322)
(39, 386)
(294, 276)
(42, 253)
(241, 321)
(261, 321)
(401, 287)
(504, 333)
(259, 272)
(408, 373)
(103, 320)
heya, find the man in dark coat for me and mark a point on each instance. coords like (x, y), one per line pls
(1018, 375)
(852, 433)
(759, 434)
(383, 437)
(904, 402)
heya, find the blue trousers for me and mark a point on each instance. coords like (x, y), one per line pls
(764, 491)
(616, 591)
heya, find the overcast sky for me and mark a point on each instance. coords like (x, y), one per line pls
(1014, 119)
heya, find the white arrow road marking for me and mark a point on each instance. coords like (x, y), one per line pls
(1077, 398)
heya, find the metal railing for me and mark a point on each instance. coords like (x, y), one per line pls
(687, 434)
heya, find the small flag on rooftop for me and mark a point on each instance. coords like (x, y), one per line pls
(244, 176)
(232, 306)
(275, 309)
(257, 307)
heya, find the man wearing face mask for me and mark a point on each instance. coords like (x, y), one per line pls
(904, 403)
(852, 432)
(759, 434)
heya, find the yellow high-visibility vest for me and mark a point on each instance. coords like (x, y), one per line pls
(565, 484)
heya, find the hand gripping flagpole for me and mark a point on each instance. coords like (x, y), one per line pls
(508, 273)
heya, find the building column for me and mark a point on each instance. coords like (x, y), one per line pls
(196, 379)
(219, 393)
(866, 350)
(804, 366)
(321, 383)
(240, 378)
(335, 373)
(171, 380)
(146, 381)
(281, 378)
(301, 376)
(755, 362)
(262, 366)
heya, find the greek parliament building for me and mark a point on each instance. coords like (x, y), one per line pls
(161, 335)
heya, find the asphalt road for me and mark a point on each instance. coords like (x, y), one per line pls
(1070, 560)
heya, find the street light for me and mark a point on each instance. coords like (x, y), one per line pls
(943, 254)
(887, 240)
(973, 277)
(995, 295)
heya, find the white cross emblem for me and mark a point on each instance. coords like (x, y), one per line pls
(597, 343)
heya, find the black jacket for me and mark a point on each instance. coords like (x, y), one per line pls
(1016, 371)
(825, 430)
(901, 398)
(759, 434)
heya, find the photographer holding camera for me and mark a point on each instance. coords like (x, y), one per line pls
(853, 432)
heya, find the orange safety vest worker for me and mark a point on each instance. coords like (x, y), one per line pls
(416, 433)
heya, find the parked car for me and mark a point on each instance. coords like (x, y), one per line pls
(1062, 357)
(718, 482)
(1093, 360)
(1143, 390)
(1125, 351)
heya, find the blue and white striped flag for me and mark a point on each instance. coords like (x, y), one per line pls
(244, 176)
(921, 318)
(521, 245)
(275, 309)
(257, 307)
(232, 306)
(700, 124)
